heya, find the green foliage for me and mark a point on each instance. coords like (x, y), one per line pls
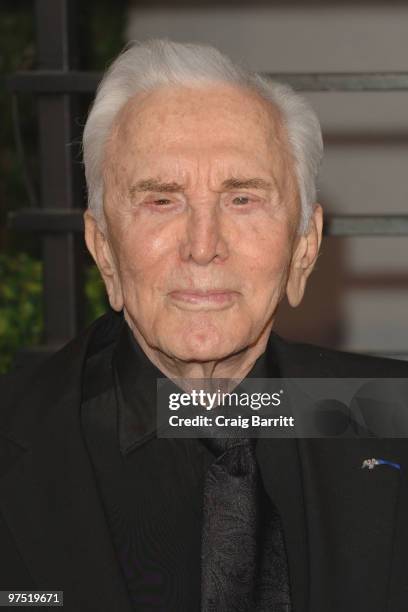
(21, 322)
(95, 295)
(20, 305)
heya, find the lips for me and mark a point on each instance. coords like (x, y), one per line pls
(209, 297)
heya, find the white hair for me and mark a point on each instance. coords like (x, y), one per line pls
(149, 65)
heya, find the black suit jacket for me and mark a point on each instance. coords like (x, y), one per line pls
(346, 529)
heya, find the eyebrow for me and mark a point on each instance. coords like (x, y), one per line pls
(247, 183)
(156, 185)
(151, 184)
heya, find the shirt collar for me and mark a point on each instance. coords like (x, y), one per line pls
(135, 379)
(135, 385)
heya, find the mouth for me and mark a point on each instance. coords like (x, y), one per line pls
(211, 299)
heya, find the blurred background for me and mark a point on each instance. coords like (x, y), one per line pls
(349, 59)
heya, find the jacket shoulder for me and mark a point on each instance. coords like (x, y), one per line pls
(26, 392)
(311, 360)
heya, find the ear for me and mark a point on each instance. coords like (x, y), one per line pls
(101, 251)
(304, 257)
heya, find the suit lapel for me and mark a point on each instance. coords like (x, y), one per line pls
(50, 502)
(280, 468)
(279, 465)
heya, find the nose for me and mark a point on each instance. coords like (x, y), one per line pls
(204, 240)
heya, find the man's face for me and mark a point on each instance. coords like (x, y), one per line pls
(201, 210)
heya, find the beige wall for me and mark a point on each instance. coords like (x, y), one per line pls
(358, 296)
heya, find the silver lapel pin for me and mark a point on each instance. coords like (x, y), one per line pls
(371, 463)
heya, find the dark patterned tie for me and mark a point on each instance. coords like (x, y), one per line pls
(244, 565)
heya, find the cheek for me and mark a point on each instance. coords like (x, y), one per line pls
(139, 256)
(144, 257)
(267, 256)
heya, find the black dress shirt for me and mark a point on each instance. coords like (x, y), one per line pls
(151, 488)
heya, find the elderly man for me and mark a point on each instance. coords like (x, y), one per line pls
(201, 218)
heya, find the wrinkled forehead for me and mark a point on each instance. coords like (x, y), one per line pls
(216, 118)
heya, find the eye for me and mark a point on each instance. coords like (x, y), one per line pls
(161, 201)
(241, 200)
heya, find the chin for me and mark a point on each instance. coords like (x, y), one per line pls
(210, 345)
